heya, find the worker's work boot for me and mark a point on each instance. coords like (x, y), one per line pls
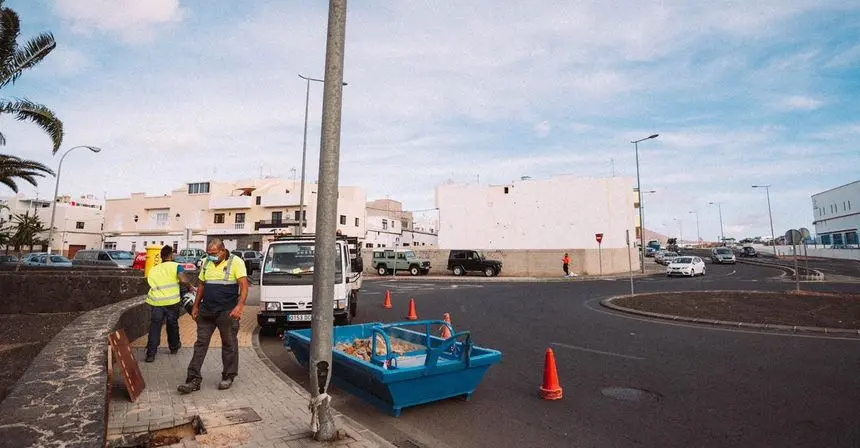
(226, 382)
(191, 385)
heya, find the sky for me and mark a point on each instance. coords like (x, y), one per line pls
(741, 93)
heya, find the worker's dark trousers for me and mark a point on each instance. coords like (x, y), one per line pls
(228, 329)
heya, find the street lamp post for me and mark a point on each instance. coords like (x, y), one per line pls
(56, 192)
(698, 234)
(641, 203)
(720, 209)
(770, 215)
(301, 220)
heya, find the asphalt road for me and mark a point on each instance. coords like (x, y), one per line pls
(628, 381)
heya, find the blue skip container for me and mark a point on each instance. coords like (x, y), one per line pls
(442, 368)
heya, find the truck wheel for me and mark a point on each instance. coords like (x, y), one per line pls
(489, 272)
(353, 304)
(458, 270)
(343, 319)
(381, 269)
(414, 270)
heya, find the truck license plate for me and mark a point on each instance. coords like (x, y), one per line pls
(299, 317)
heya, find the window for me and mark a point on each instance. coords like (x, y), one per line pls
(404, 223)
(277, 216)
(198, 188)
(405, 244)
(79, 225)
(343, 220)
(240, 218)
(844, 208)
(384, 224)
(176, 246)
(162, 219)
(160, 243)
(507, 190)
(368, 245)
(219, 218)
(356, 222)
(305, 214)
(259, 200)
(849, 204)
(112, 246)
(133, 246)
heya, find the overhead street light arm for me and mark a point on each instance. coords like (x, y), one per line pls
(95, 149)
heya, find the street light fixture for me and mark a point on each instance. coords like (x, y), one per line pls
(720, 208)
(304, 152)
(698, 234)
(770, 215)
(56, 191)
(641, 203)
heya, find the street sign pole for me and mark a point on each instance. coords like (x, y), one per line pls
(599, 238)
(629, 260)
(322, 420)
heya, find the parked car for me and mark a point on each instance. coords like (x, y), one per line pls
(252, 258)
(104, 258)
(461, 262)
(667, 257)
(189, 255)
(383, 262)
(8, 260)
(690, 266)
(749, 251)
(41, 259)
(658, 256)
(722, 255)
(650, 251)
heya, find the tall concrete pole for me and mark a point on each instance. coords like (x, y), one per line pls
(322, 421)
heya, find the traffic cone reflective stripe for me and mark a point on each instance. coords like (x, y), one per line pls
(550, 390)
(412, 314)
(387, 303)
(446, 333)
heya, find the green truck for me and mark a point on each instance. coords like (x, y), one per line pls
(384, 262)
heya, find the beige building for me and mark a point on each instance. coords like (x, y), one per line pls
(389, 225)
(246, 214)
(77, 223)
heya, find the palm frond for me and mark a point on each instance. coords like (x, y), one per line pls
(10, 29)
(13, 168)
(40, 115)
(26, 57)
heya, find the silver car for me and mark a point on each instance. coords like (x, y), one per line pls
(104, 258)
(721, 255)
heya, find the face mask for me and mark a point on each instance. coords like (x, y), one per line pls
(213, 258)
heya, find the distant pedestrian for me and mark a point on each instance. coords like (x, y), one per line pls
(565, 265)
(163, 300)
(219, 304)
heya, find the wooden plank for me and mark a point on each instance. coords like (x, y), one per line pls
(128, 366)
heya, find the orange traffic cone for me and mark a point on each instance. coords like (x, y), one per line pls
(387, 303)
(412, 314)
(550, 390)
(446, 333)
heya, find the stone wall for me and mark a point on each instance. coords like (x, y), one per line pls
(61, 399)
(56, 291)
(534, 263)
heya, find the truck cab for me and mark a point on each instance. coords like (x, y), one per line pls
(286, 284)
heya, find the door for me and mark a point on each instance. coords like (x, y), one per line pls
(73, 249)
(473, 262)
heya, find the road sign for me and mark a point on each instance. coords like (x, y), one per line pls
(598, 237)
(793, 236)
(804, 233)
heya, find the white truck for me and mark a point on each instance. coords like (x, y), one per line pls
(286, 283)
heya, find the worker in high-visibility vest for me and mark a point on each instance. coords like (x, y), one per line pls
(164, 303)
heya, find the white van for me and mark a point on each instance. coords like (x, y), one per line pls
(286, 283)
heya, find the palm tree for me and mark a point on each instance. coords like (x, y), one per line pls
(27, 229)
(14, 60)
(12, 168)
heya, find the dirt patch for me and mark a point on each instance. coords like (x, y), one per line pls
(780, 308)
(24, 336)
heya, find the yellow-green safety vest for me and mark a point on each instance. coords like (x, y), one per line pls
(163, 285)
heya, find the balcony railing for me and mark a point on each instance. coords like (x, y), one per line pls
(275, 224)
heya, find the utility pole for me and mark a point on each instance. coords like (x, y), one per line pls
(322, 421)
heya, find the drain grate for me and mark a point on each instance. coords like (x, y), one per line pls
(408, 443)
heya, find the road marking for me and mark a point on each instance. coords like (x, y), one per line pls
(599, 352)
(708, 327)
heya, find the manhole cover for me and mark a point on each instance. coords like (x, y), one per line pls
(630, 394)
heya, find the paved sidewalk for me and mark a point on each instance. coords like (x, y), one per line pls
(279, 405)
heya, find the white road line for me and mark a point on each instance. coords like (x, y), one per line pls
(599, 352)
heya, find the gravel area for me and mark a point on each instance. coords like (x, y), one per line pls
(783, 308)
(22, 337)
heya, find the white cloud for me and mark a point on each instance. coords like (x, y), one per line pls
(799, 102)
(64, 61)
(542, 129)
(131, 19)
(845, 59)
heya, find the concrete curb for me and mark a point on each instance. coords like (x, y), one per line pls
(353, 426)
(817, 277)
(698, 320)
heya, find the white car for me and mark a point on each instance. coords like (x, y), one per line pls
(689, 266)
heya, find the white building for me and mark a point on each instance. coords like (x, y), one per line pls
(245, 214)
(560, 212)
(389, 225)
(77, 223)
(837, 215)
